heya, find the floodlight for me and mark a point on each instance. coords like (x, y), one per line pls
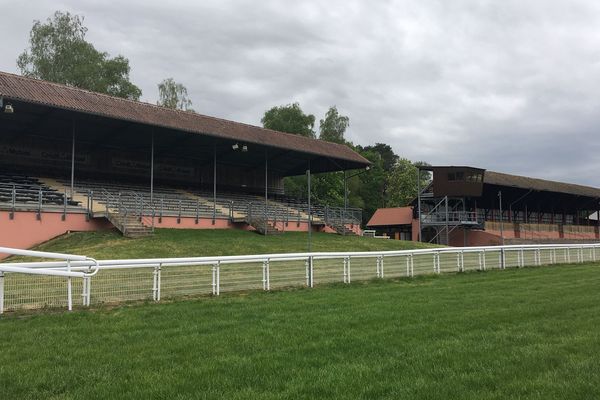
(244, 148)
(235, 146)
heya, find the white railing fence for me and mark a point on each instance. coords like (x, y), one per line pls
(43, 284)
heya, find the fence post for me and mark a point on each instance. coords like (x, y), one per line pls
(479, 257)
(412, 266)
(408, 265)
(266, 278)
(1, 292)
(348, 269)
(69, 289)
(216, 279)
(83, 290)
(154, 283)
(311, 272)
(462, 261)
(435, 271)
(568, 255)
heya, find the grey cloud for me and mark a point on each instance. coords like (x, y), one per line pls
(510, 86)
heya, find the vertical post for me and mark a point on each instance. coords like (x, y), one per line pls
(216, 279)
(69, 288)
(39, 212)
(348, 268)
(419, 202)
(309, 211)
(214, 183)
(13, 201)
(501, 218)
(381, 274)
(447, 223)
(311, 272)
(64, 215)
(152, 176)
(1, 292)
(197, 211)
(266, 277)
(266, 193)
(73, 159)
(345, 193)
(155, 284)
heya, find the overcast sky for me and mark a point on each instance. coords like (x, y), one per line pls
(509, 85)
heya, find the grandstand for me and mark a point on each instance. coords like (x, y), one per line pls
(473, 207)
(74, 160)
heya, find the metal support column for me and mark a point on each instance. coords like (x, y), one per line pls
(419, 238)
(447, 222)
(266, 193)
(309, 211)
(152, 176)
(214, 183)
(501, 217)
(73, 159)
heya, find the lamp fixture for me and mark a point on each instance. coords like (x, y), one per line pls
(244, 148)
(235, 146)
(8, 109)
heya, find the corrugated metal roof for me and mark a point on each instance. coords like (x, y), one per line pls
(19, 88)
(523, 182)
(392, 216)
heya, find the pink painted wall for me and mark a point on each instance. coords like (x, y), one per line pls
(25, 231)
(190, 223)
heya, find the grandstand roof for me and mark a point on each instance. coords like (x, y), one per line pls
(523, 182)
(48, 94)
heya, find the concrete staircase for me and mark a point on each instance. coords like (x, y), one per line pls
(258, 222)
(129, 225)
(342, 229)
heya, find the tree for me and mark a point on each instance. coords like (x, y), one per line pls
(173, 95)
(403, 182)
(333, 126)
(289, 118)
(388, 156)
(59, 53)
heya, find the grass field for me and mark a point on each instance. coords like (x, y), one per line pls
(195, 242)
(528, 333)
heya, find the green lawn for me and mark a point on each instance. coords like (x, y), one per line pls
(516, 334)
(194, 242)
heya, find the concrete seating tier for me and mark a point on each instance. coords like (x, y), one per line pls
(29, 192)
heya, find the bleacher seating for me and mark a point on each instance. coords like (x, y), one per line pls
(22, 191)
(95, 195)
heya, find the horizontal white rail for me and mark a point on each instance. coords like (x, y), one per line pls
(125, 279)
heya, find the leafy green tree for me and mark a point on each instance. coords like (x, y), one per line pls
(333, 127)
(388, 156)
(290, 118)
(59, 53)
(403, 182)
(173, 95)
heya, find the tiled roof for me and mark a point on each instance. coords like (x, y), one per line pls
(19, 88)
(523, 182)
(391, 216)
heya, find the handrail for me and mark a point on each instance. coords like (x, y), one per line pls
(69, 258)
(75, 266)
(207, 260)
